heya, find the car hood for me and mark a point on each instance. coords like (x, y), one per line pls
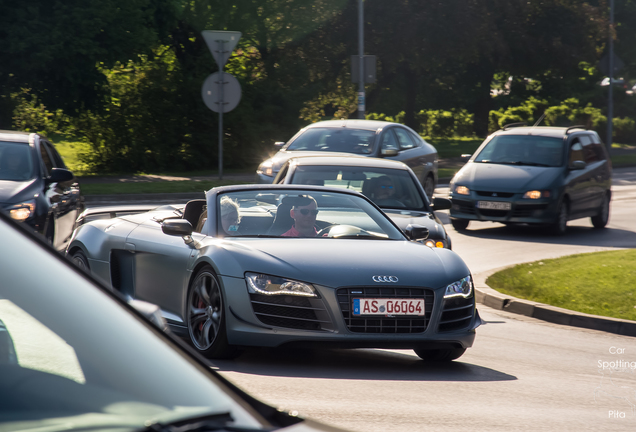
(346, 262)
(505, 178)
(403, 218)
(12, 192)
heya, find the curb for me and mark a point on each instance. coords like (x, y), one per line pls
(496, 300)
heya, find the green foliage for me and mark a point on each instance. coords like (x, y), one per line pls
(624, 130)
(529, 112)
(30, 115)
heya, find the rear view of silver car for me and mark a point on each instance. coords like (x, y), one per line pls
(534, 175)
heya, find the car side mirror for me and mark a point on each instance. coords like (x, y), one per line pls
(466, 155)
(416, 232)
(441, 203)
(389, 152)
(177, 227)
(578, 165)
(60, 175)
(279, 144)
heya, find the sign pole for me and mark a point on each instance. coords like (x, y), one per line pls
(610, 99)
(361, 95)
(221, 109)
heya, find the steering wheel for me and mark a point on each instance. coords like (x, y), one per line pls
(325, 230)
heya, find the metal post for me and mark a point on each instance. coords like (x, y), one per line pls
(610, 100)
(361, 96)
(221, 109)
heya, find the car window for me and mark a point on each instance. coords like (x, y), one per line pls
(404, 138)
(590, 154)
(55, 156)
(16, 161)
(46, 159)
(66, 362)
(263, 213)
(359, 141)
(576, 152)
(417, 141)
(523, 150)
(402, 193)
(389, 142)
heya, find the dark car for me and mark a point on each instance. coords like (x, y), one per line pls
(74, 356)
(37, 188)
(363, 137)
(535, 175)
(391, 185)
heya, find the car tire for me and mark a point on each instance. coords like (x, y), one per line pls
(206, 316)
(79, 259)
(460, 224)
(429, 187)
(600, 220)
(560, 225)
(440, 355)
(49, 233)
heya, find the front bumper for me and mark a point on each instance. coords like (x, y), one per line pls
(325, 322)
(540, 211)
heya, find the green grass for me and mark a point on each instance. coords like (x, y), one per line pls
(599, 283)
(623, 160)
(454, 147)
(71, 151)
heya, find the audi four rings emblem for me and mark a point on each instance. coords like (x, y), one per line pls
(385, 279)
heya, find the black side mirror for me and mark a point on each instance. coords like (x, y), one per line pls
(441, 203)
(416, 232)
(578, 165)
(60, 175)
(177, 227)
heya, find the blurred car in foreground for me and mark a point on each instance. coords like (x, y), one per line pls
(535, 175)
(391, 185)
(37, 188)
(75, 357)
(363, 137)
(227, 272)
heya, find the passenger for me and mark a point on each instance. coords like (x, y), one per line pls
(304, 214)
(384, 188)
(230, 217)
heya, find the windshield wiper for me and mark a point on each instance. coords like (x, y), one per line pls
(521, 163)
(207, 423)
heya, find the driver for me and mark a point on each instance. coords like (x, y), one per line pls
(304, 214)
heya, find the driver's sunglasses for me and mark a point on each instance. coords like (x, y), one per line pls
(386, 186)
(305, 212)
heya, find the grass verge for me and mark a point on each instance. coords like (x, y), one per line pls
(600, 283)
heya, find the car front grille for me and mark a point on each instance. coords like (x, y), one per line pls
(457, 313)
(495, 194)
(291, 312)
(464, 206)
(385, 324)
(526, 210)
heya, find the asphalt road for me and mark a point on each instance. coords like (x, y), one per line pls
(521, 374)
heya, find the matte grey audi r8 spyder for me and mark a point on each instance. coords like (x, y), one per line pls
(286, 265)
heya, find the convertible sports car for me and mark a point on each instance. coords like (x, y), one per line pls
(232, 271)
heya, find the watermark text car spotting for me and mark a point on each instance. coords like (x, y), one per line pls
(612, 387)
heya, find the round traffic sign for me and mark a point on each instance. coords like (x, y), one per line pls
(213, 90)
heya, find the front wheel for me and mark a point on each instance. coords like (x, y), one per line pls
(600, 220)
(460, 224)
(206, 316)
(560, 225)
(79, 259)
(440, 355)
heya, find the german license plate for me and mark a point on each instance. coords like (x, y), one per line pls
(494, 205)
(383, 306)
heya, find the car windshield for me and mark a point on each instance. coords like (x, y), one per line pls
(346, 140)
(302, 213)
(388, 188)
(523, 150)
(73, 358)
(16, 162)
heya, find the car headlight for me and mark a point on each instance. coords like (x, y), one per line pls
(536, 194)
(462, 190)
(266, 168)
(23, 211)
(434, 243)
(258, 283)
(461, 288)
